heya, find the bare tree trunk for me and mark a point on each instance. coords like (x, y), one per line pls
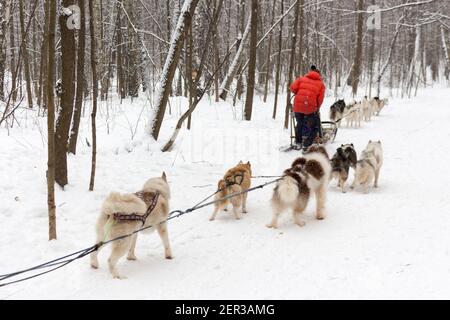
(300, 42)
(12, 63)
(356, 72)
(94, 93)
(170, 66)
(168, 145)
(291, 67)
(371, 57)
(120, 46)
(68, 58)
(414, 62)
(446, 49)
(226, 83)
(252, 64)
(50, 35)
(26, 63)
(269, 52)
(190, 77)
(80, 80)
(43, 68)
(388, 61)
(278, 72)
(4, 8)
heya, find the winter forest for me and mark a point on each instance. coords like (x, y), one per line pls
(98, 96)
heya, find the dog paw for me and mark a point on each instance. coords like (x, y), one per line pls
(211, 219)
(169, 257)
(119, 277)
(94, 266)
(320, 217)
(301, 223)
(131, 257)
(270, 226)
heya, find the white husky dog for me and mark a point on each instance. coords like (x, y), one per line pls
(368, 167)
(123, 214)
(366, 109)
(378, 105)
(353, 114)
(307, 175)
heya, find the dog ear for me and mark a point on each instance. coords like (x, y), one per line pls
(248, 163)
(370, 141)
(164, 177)
(240, 162)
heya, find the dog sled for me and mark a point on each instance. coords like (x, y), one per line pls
(327, 133)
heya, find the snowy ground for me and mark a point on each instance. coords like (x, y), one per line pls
(391, 243)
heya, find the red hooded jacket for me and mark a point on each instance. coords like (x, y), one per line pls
(309, 93)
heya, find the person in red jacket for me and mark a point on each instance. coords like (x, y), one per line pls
(309, 94)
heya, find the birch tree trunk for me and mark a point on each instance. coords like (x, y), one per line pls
(50, 35)
(80, 80)
(3, 29)
(278, 72)
(26, 63)
(269, 52)
(226, 83)
(289, 77)
(446, 49)
(94, 93)
(165, 84)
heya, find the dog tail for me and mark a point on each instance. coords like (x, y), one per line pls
(287, 190)
(224, 191)
(123, 203)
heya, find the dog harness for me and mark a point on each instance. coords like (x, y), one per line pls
(230, 183)
(149, 198)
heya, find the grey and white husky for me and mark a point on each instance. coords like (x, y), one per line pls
(368, 167)
(344, 158)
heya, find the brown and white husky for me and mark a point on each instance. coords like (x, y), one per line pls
(235, 180)
(307, 175)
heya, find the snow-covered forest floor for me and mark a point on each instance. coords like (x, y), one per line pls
(391, 243)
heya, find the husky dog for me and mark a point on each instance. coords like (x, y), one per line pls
(123, 214)
(353, 114)
(378, 105)
(317, 148)
(235, 180)
(337, 111)
(307, 175)
(369, 165)
(366, 109)
(344, 158)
